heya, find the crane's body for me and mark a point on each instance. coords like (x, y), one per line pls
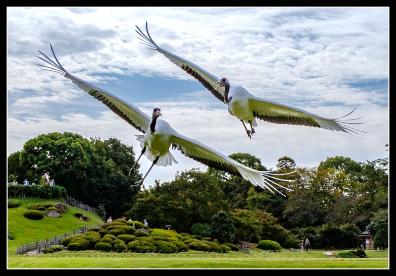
(245, 106)
(158, 136)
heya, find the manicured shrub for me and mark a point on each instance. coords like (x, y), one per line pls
(116, 232)
(66, 241)
(11, 236)
(53, 248)
(233, 247)
(199, 246)
(79, 242)
(103, 246)
(109, 236)
(141, 233)
(78, 215)
(141, 246)
(119, 245)
(126, 237)
(92, 237)
(42, 208)
(166, 247)
(33, 214)
(224, 248)
(181, 246)
(95, 229)
(52, 209)
(164, 233)
(162, 238)
(33, 206)
(119, 221)
(352, 254)
(74, 246)
(106, 240)
(137, 224)
(13, 203)
(102, 232)
(215, 247)
(269, 245)
(48, 205)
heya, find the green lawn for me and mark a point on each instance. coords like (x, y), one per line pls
(26, 230)
(195, 259)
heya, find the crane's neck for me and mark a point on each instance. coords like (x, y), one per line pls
(152, 124)
(226, 91)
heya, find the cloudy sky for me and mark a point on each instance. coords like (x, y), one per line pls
(323, 60)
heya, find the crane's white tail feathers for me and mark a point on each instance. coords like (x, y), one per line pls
(53, 66)
(264, 179)
(146, 39)
(165, 160)
(344, 124)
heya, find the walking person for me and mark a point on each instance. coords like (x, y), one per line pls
(307, 244)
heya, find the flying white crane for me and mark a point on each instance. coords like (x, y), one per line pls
(159, 135)
(245, 106)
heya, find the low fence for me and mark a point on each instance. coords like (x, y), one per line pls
(73, 202)
(39, 246)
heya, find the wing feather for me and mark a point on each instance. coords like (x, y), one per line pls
(283, 114)
(208, 80)
(131, 114)
(217, 160)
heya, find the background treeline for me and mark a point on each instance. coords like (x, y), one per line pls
(330, 203)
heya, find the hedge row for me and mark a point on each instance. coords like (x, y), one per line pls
(41, 191)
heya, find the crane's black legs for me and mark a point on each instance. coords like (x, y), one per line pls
(152, 165)
(251, 127)
(249, 133)
(143, 150)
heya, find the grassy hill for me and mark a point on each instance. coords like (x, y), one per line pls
(26, 230)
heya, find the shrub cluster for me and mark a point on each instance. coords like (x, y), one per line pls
(53, 248)
(359, 253)
(13, 203)
(33, 214)
(41, 191)
(121, 236)
(269, 245)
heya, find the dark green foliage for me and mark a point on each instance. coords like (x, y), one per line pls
(378, 227)
(182, 247)
(126, 237)
(52, 209)
(141, 233)
(13, 203)
(33, 214)
(165, 247)
(192, 197)
(333, 236)
(78, 215)
(120, 246)
(201, 229)
(103, 246)
(232, 246)
(37, 191)
(53, 248)
(141, 246)
(199, 246)
(352, 254)
(269, 245)
(222, 227)
(92, 171)
(107, 240)
(66, 241)
(11, 236)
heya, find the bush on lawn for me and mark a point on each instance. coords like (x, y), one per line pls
(359, 253)
(78, 215)
(269, 245)
(141, 246)
(119, 245)
(33, 214)
(109, 236)
(141, 233)
(232, 246)
(165, 247)
(13, 203)
(181, 245)
(103, 246)
(126, 237)
(106, 240)
(53, 248)
(199, 246)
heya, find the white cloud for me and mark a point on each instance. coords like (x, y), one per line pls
(299, 56)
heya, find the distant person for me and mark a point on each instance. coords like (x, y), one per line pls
(168, 226)
(145, 223)
(25, 182)
(302, 245)
(307, 244)
(109, 220)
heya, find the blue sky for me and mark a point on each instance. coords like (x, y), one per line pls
(324, 60)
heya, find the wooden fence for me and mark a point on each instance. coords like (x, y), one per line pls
(39, 246)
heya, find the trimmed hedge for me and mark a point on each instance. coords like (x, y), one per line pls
(232, 246)
(181, 245)
(199, 246)
(103, 246)
(120, 246)
(141, 233)
(37, 191)
(126, 237)
(359, 253)
(269, 245)
(33, 214)
(165, 247)
(13, 203)
(141, 246)
(53, 248)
